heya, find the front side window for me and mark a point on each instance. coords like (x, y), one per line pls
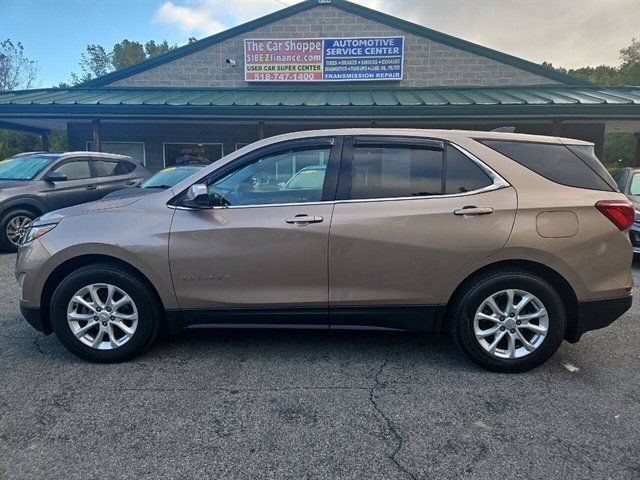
(291, 177)
(390, 171)
(75, 170)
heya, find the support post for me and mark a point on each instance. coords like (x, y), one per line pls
(636, 157)
(261, 130)
(45, 141)
(97, 140)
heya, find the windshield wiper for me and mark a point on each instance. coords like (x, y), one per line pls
(157, 186)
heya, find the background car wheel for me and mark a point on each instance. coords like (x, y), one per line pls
(104, 313)
(508, 320)
(13, 226)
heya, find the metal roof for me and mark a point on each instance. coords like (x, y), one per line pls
(339, 101)
(346, 6)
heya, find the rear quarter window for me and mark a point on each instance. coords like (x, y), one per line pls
(556, 162)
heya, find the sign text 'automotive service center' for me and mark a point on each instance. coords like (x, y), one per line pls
(323, 59)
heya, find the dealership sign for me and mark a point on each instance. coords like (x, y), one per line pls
(323, 59)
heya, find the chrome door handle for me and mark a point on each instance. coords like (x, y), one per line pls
(302, 218)
(91, 187)
(473, 211)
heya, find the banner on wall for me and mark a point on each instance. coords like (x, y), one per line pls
(323, 59)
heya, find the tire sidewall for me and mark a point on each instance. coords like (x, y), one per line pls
(5, 243)
(147, 324)
(538, 287)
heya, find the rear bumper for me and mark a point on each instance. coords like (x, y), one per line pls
(34, 317)
(596, 314)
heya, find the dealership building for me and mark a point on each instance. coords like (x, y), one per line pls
(317, 64)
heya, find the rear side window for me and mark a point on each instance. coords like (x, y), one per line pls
(462, 174)
(555, 162)
(587, 154)
(105, 168)
(386, 172)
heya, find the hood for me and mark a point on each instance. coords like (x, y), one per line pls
(86, 208)
(5, 184)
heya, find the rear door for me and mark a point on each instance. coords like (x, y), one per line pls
(411, 215)
(112, 175)
(260, 255)
(80, 186)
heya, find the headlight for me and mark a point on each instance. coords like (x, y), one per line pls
(37, 231)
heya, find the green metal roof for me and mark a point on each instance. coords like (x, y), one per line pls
(346, 6)
(541, 100)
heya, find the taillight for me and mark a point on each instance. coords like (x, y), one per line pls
(620, 212)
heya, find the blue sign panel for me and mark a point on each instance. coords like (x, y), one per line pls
(367, 58)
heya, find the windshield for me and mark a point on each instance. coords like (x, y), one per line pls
(24, 167)
(169, 177)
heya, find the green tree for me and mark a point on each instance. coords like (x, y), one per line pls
(16, 70)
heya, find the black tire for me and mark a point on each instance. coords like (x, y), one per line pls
(473, 293)
(149, 312)
(5, 243)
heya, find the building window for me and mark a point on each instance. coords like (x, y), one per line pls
(190, 153)
(135, 150)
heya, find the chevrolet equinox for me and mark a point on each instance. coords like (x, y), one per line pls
(511, 242)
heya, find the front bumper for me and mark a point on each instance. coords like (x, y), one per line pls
(595, 314)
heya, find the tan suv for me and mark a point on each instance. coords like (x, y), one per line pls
(511, 242)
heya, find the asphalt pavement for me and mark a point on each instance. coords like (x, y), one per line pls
(307, 405)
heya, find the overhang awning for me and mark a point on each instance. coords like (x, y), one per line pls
(446, 102)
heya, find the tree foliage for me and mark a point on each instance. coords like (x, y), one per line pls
(97, 61)
(16, 70)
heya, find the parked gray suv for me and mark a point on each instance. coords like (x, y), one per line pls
(35, 183)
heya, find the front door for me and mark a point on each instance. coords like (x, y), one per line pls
(404, 228)
(259, 255)
(79, 187)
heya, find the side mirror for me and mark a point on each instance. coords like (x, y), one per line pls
(197, 196)
(55, 177)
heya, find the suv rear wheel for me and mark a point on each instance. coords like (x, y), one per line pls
(13, 227)
(104, 313)
(509, 320)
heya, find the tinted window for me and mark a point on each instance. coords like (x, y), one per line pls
(621, 180)
(553, 161)
(105, 168)
(75, 170)
(587, 154)
(385, 172)
(464, 175)
(266, 180)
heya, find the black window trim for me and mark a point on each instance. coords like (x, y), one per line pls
(333, 142)
(344, 180)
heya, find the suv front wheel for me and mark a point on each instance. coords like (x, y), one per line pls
(104, 313)
(13, 227)
(509, 320)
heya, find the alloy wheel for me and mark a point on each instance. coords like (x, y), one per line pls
(102, 316)
(511, 324)
(16, 228)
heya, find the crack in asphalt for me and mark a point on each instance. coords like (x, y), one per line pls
(37, 344)
(389, 424)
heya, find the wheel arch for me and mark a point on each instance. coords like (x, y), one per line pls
(26, 203)
(73, 263)
(557, 281)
